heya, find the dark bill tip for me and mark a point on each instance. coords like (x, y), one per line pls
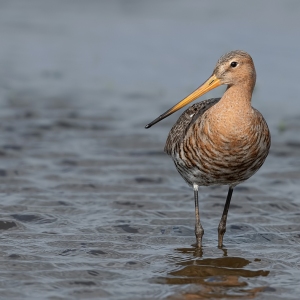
(161, 117)
(154, 122)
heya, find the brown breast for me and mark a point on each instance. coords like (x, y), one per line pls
(216, 151)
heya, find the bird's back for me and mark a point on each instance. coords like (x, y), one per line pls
(185, 121)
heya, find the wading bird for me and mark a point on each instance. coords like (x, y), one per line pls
(219, 141)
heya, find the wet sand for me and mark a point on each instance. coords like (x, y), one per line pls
(91, 207)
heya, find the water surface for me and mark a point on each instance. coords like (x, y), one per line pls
(91, 207)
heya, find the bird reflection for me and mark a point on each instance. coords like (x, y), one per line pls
(212, 277)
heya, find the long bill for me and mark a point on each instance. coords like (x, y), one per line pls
(211, 83)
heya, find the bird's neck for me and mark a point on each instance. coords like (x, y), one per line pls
(233, 112)
(238, 96)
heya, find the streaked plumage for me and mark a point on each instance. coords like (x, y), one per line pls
(220, 141)
(204, 158)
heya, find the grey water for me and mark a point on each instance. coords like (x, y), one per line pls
(91, 207)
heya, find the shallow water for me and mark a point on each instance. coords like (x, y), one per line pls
(91, 207)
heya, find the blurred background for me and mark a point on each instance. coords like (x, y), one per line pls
(91, 207)
(158, 49)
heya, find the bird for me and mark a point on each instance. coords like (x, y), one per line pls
(219, 141)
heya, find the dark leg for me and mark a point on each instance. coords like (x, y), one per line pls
(222, 225)
(198, 227)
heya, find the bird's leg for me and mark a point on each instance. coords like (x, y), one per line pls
(222, 225)
(199, 231)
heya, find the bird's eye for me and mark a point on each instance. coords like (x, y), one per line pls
(233, 64)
